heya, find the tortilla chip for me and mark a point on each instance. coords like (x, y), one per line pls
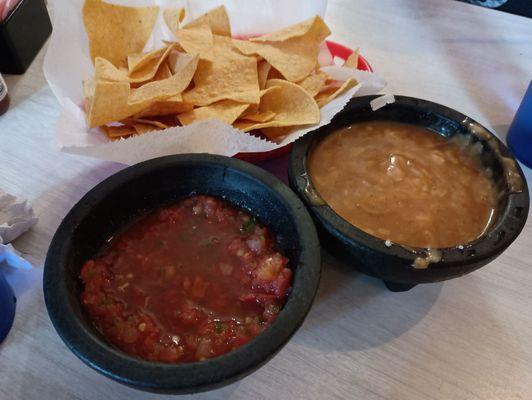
(295, 59)
(314, 83)
(226, 110)
(226, 79)
(141, 128)
(198, 40)
(171, 106)
(115, 31)
(277, 133)
(104, 70)
(274, 74)
(109, 103)
(223, 47)
(146, 68)
(314, 26)
(247, 126)
(259, 117)
(254, 108)
(117, 132)
(292, 51)
(216, 19)
(263, 71)
(291, 104)
(173, 18)
(328, 95)
(163, 72)
(352, 60)
(139, 60)
(153, 123)
(163, 89)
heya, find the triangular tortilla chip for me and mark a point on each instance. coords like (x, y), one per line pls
(276, 133)
(163, 72)
(259, 117)
(314, 82)
(327, 96)
(116, 31)
(314, 26)
(226, 79)
(171, 106)
(173, 18)
(216, 19)
(291, 104)
(226, 110)
(163, 89)
(253, 109)
(263, 70)
(352, 60)
(109, 103)
(198, 40)
(294, 59)
(105, 70)
(139, 60)
(117, 132)
(153, 123)
(292, 51)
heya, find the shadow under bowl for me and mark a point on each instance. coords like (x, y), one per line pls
(133, 192)
(394, 264)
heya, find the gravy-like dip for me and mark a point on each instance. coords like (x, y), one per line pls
(404, 183)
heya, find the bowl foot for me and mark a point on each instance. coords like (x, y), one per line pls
(398, 287)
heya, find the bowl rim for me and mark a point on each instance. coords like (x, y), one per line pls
(185, 377)
(486, 247)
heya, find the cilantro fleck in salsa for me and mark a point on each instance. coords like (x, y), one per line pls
(188, 282)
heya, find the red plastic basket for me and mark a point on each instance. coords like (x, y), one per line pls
(337, 50)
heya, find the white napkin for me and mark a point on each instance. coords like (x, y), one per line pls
(16, 217)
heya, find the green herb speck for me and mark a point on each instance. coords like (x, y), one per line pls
(218, 327)
(247, 227)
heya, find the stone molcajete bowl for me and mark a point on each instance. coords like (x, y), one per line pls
(136, 190)
(401, 267)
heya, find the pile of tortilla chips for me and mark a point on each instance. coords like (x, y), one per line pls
(270, 83)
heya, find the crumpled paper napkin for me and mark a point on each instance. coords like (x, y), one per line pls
(16, 217)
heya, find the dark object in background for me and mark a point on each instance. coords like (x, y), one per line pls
(519, 136)
(4, 96)
(7, 307)
(518, 7)
(22, 34)
(394, 263)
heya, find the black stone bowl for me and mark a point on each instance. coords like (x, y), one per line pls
(143, 187)
(395, 264)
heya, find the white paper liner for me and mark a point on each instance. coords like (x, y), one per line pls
(381, 101)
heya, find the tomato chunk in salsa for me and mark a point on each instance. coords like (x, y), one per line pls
(188, 282)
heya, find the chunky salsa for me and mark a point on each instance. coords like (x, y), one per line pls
(188, 282)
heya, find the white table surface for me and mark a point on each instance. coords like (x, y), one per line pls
(469, 338)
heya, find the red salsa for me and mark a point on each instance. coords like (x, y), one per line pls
(188, 282)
